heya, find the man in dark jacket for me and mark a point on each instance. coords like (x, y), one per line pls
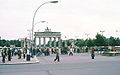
(92, 53)
(9, 54)
(3, 55)
(57, 55)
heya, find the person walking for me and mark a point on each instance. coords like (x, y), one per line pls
(92, 53)
(12, 51)
(38, 52)
(87, 49)
(28, 55)
(9, 54)
(71, 52)
(19, 54)
(48, 52)
(3, 55)
(57, 55)
(52, 50)
(34, 51)
(3, 59)
(23, 53)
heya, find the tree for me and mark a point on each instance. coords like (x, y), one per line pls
(68, 43)
(63, 44)
(11, 42)
(100, 40)
(89, 43)
(17, 43)
(117, 42)
(80, 43)
(1, 43)
(114, 41)
(7, 43)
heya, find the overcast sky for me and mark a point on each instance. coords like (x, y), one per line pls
(73, 18)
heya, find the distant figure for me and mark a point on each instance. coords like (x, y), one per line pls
(52, 50)
(12, 49)
(19, 54)
(86, 49)
(9, 54)
(3, 59)
(92, 53)
(38, 52)
(71, 52)
(16, 51)
(3, 55)
(34, 51)
(57, 55)
(28, 55)
(48, 52)
(23, 53)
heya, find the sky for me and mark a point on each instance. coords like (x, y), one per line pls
(73, 18)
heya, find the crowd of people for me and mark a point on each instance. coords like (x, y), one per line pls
(8, 53)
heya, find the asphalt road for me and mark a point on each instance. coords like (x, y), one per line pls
(79, 64)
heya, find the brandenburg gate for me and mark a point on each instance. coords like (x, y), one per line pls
(48, 34)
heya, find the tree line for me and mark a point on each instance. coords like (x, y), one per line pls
(99, 40)
(7, 43)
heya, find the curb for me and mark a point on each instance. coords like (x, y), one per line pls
(21, 63)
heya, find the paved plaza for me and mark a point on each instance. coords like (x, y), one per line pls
(79, 64)
(16, 61)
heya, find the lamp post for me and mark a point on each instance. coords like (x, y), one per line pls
(34, 18)
(29, 30)
(40, 22)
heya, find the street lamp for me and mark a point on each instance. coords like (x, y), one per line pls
(40, 22)
(34, 18)
(29, 30)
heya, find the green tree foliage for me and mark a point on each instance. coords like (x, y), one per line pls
(100, 40)
(114, 41)
(2, 42)
(80, 43)
(117, 42)
(7, 43)
(63, 44)
(89, 42)
(68, 43)
(18, 43)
